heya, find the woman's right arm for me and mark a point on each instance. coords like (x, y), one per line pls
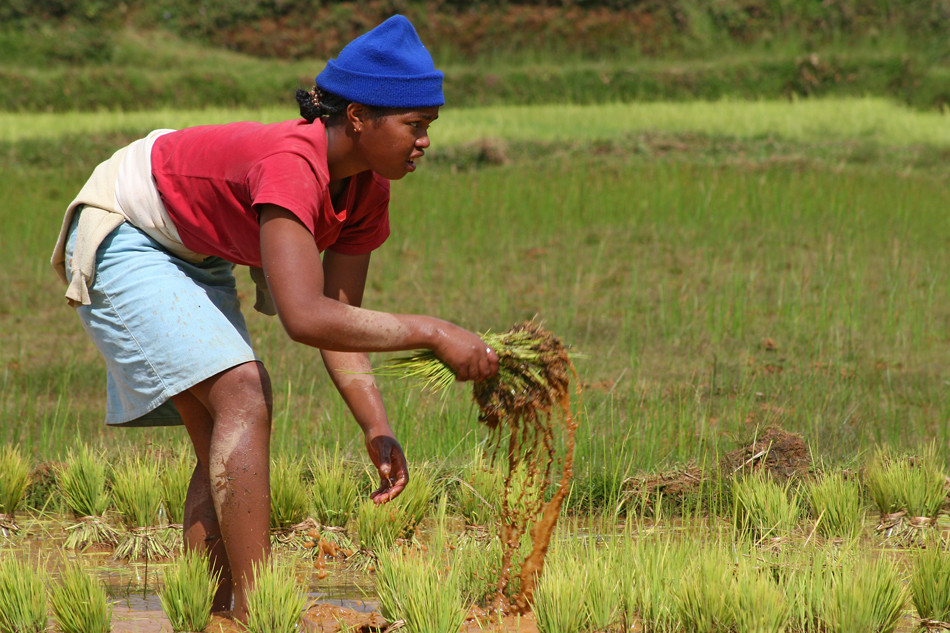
(295, 277)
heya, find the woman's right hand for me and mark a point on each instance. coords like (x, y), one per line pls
(465, 352)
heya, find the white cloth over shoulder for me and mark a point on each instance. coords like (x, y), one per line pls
(120, 189)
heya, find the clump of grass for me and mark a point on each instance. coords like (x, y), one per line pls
(419, 591)
(602, 598)
(188, 592)
(477, 492)
(760, 604)
(882, 479)
(477, 561)
(175, 479)
(908, 491)
(864, 595)
(138, 500)
(559, 599)
(416, 499)
(930, 585)
(22, 597)
(289, 498)
(276, 600)
(923, 488)
(763, 508)
(80, 603)
(705, 596)
(647, 568)
(334, 490)
(83, 485)
(378, 526)
(807, 575)
(834, 502)
(14, 479)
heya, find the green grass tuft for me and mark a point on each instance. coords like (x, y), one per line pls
(80, 603)
(276, 600)
(188, 592)
(22, 597)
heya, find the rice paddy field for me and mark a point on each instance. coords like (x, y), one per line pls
(754, 295)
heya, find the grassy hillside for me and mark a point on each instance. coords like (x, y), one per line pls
(60, 55)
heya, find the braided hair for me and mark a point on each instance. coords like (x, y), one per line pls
(322, 104)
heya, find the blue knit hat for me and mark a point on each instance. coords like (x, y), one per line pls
(386, 67)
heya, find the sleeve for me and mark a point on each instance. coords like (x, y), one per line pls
(287, 180)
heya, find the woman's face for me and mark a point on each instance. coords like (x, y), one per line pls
(392, 143)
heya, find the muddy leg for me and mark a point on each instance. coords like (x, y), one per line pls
(201, 530)
(239, 403)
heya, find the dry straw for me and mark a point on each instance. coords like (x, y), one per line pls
(14, 479)
(82, 483)
(80, 603)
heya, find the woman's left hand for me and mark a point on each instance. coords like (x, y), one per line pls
(390, 462)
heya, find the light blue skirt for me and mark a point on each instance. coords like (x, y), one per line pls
(163, 324)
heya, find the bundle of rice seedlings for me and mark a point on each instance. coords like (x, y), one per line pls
(419, 591)
(82, 483)
(22, 597)
(334, 490)
(476, 562)
(882, 479)
(276, 601)
(866, 595)
(80, 603)
(557, 601)
(416, 499)
(188, 592)
(378, 526)
(834, 502)
(477, 492)
(806, 575)
(705, 598)
(922, 489)
(602, 597)
(14, 478)
(175, 479)
(138, 501)
(647, 568)
(289, 497)
(763, 509)
(760, 605)
(930, 585)
(519, 402)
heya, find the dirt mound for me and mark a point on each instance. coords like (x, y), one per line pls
(782, 454)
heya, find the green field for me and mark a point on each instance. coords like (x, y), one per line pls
(664, 242)
(736, 239)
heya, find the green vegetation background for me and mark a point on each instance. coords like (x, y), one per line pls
(712, 284)
(59, 55)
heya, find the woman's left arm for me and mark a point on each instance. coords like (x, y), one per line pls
(344, 281)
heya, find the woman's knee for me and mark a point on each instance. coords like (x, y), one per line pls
(243, 390)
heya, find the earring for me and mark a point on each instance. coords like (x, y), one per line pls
(357, 128)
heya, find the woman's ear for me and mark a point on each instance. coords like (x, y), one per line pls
(356, 115)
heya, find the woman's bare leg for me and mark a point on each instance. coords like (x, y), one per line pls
(200, 529)
(238, 401)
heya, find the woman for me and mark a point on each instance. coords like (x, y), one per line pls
(147, 250)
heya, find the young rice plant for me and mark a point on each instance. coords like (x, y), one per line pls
(80, 603)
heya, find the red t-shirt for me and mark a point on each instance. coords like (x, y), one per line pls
(212, 177)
